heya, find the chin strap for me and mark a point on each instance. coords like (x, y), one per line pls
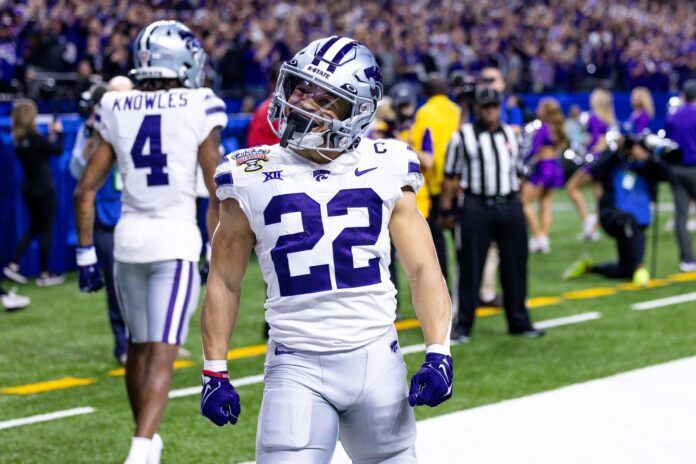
(296, 122)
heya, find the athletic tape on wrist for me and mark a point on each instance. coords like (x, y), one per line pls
(215, 365)
(439, 349)
(86, 256)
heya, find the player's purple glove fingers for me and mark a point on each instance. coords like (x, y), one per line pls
(432, 384)
(219, 400)
(90, 278)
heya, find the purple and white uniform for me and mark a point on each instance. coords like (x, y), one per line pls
(548, 173)
(333, 365)
(155, 137)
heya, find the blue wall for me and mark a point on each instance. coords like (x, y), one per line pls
(14, 219)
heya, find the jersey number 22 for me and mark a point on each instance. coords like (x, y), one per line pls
(319, 278)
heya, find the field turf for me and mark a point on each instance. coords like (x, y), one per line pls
(65, 334)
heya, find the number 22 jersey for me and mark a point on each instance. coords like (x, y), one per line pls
(156, 136)
(322, 238)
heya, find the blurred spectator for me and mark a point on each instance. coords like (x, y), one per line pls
(577, 137)
(546, 173)
(681, 127)
(537, 45)
(260, 131)
(510, 110)
(643, 111)
(601, 118)
(33, 151)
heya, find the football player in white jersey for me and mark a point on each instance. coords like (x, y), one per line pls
(319, 209)
(157, 134)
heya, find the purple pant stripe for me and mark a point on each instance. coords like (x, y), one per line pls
(184, 310)
(172, 302)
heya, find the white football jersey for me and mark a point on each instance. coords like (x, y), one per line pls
(322, 238)
(156, 136)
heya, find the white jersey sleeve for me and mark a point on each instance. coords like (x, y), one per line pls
(215, 114)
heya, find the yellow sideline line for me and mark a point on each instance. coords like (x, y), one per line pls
(405, 324)
(49, 385)
(178, 364)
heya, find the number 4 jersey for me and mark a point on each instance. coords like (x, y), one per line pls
(322, 238)
(155, 136)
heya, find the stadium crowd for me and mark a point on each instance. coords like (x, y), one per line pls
(545, 46)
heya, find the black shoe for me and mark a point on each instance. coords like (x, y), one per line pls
(528, 333)
(459, 334)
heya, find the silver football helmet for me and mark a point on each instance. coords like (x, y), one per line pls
(342, 79)
(168, 50)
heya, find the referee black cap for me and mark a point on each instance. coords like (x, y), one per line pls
(486, 96)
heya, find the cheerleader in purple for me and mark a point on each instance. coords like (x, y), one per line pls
(601, 118)
(643, 110)
(547, 173)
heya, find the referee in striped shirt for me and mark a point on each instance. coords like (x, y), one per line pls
(482, 163)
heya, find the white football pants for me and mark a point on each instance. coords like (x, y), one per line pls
(359, 396)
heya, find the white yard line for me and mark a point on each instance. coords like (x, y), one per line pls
(577, 318)
(45, 417)
(672, 300)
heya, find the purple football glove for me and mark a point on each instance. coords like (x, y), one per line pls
(90, 277)
(219, 400)
(432, 384)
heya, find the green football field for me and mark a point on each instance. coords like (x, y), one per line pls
(64, 337)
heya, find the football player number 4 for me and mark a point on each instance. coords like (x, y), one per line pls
(151, 130)
(319, 278)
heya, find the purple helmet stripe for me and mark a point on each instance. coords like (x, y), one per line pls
(172, 302)
(184, 310)
(324, 49)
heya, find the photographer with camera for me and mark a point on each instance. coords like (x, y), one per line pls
(681, 128)
(482, 162)
(628, 172)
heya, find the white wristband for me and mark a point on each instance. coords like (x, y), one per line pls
(215, 365)
(86, 256)
(439, 349)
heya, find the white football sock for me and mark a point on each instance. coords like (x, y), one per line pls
(139, 451)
